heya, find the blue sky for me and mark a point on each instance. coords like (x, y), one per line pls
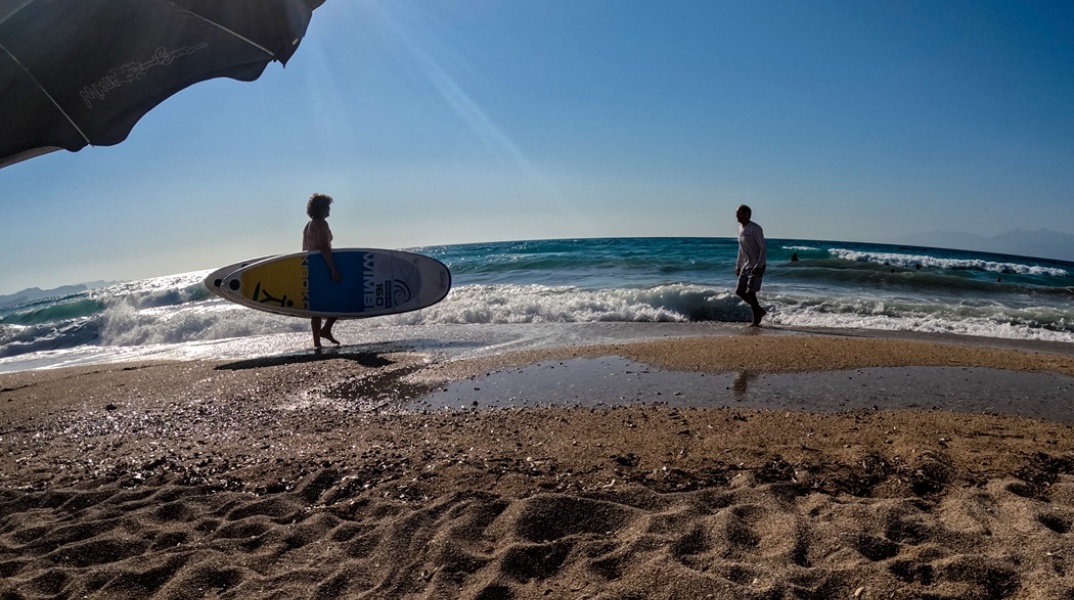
(449, 121)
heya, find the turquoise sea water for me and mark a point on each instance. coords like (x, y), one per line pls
(506, 292)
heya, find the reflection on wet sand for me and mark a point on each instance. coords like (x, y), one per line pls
(742, 384)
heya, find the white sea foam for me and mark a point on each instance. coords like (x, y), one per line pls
(913, 260)
(123, 325)
(971, 327)
(499, 304)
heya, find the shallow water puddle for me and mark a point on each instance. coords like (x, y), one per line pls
(613, 381)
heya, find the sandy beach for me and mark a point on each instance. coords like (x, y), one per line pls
(923, 470)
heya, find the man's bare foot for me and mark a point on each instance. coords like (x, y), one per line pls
(758, 315)
(328, 336)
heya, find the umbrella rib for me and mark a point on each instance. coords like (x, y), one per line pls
(234, 33)
(47, 95)
(12, 13)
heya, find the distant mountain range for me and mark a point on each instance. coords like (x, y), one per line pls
(1042, 243)
(33, 294)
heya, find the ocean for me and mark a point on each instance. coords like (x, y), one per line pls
(513, 295)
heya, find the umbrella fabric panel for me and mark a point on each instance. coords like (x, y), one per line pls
(277, 25)
(74, 72)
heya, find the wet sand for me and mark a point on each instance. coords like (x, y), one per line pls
(730, 466)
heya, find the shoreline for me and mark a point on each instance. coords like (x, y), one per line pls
(303, 476)
(453, 342)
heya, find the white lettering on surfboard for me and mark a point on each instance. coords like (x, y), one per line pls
(380, 294)
(369, 287)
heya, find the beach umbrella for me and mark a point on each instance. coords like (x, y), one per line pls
(82, 72)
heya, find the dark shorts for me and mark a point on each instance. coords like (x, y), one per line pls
(748, 282)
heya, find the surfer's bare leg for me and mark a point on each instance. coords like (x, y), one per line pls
(315, 324)
(326, 331)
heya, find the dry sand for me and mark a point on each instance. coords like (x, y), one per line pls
(303, 477)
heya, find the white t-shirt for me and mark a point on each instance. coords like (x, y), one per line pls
(752, 249)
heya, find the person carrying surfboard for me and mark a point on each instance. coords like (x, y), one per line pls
(318, 236)
(752, 260)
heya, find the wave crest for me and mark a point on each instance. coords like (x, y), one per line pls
(503, 304)
(924, 260)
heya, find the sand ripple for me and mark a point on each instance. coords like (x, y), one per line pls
(765, 533)
(184, 481)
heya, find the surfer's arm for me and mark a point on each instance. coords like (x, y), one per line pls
(328, 260)
(326, 252)
(322, 240)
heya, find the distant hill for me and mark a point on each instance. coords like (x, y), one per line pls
(34, 294)
(1042, 243)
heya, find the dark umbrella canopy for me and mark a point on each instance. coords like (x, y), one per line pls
(78, 72)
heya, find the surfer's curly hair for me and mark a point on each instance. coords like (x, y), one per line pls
(317, 207)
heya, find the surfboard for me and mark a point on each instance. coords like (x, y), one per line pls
(214, 280)
(375, 282)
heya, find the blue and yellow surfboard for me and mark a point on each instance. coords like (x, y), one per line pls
(375, 282)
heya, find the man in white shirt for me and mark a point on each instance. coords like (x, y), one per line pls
(752, 260)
